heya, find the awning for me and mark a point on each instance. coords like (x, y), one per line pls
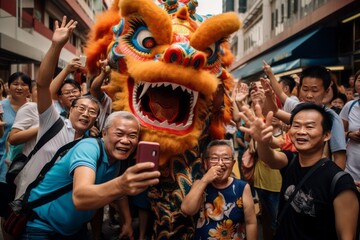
(281, 59)
(300, 62)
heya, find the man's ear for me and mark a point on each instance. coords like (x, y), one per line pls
(327, 136)
(286, 89)
(327, 90)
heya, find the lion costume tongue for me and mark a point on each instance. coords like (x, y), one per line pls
(164, 105)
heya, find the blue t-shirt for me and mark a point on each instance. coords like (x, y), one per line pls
(9, 118)
(222, 213)
(60, 214)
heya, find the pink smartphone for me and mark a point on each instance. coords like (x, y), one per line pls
(148, 152)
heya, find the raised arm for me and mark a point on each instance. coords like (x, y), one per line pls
(192, 202)
(55, 85)
(95, 89)
(47, 67)
(262, 133)
(270, 104)
(274, 83)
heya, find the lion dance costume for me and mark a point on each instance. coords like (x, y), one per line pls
(168, 69)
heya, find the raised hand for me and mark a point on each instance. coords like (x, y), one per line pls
(73, 65)
(213, 173)
(105, 68)
(240, 93)
(62, 34)
(267, 70)
(270, 103)
(257, 128)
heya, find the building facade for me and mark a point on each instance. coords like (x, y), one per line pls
(293, 34)
(26, 28)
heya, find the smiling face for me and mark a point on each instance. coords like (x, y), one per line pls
(121, 138)
(19, 90)
(306, 132)
(83, 120)
(312, 90)
(220, 155)
(69, 92)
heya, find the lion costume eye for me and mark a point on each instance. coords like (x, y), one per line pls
(138, 37)
(143, 40)
(212, 53)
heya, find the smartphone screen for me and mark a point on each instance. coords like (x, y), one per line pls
(148, 152)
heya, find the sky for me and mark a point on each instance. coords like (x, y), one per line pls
(209, 7)
(205, 6)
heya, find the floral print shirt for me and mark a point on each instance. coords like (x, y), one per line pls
(222, 214)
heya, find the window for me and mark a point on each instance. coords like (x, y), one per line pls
(242, 6)
(295, 5)
(276, 17)
(288, 8)
(272, 21)
(282, 12)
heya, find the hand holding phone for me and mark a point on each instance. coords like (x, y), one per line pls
(148, 152)
(83, 60)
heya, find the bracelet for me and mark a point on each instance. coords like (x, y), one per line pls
(347, 134)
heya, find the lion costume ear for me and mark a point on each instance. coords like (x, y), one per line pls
(214, 29)
(148, 12)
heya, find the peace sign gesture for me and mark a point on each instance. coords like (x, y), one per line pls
(258, 129)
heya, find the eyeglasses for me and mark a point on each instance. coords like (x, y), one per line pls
(216, 159)
(82, 109)
(69, 92)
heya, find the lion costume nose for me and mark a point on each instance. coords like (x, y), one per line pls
(183, 54)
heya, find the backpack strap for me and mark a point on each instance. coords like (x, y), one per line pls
(59, 192)
(317, 165)
(50, 133)
(353, 104)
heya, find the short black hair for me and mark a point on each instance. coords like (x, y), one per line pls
(342, 97)
(25, 78)
(68, 81)
(317, 72)
(288, 81)
(327, 120)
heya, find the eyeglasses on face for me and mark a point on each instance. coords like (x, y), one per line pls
(83, 109)
(69, 92)
(215, 159)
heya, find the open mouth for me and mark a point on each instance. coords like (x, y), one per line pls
(164, 105)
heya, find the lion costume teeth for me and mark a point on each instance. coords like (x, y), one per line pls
(168, 68)
(153, 107)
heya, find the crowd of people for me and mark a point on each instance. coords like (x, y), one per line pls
(287, 125)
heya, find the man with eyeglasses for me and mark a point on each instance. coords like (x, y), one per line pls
(82, 112)
(225, 203)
